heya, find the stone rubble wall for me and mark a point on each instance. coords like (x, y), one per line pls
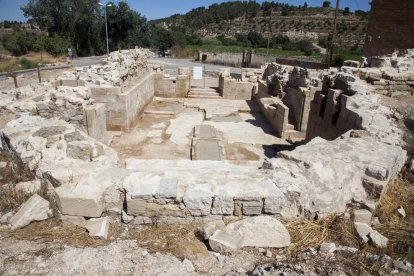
(389, 75)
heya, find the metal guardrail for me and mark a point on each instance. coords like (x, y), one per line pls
(35, 69)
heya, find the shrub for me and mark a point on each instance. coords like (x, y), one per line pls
(27, 64)
(339, 59)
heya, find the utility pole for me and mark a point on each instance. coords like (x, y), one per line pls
(106, 26)
(331, 48)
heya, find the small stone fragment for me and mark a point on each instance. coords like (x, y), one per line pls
(377, 239)
(327, 247)
(209, 228)
(6, 217)
(401, 211)
(268, 253)
(362, 229)
(98, 227)
(225, 243)
(126, 218)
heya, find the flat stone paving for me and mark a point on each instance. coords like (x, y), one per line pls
(234, 130)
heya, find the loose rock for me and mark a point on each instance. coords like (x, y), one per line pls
(98, 227)
(34, 209)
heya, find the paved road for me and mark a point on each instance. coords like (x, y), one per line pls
(86, 61)
(172, 64)
(322, 50)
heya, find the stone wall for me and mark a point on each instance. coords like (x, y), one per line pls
(276, 114)
(391, 26)
(171, 87)
(329, 116)
(233, 89)
(123, 108)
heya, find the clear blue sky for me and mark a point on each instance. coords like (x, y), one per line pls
(153, 9)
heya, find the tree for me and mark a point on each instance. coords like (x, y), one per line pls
(255, 39)
(347, 11)
(305, 6)
(326, 4)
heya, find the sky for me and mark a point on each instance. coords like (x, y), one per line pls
(154, 9)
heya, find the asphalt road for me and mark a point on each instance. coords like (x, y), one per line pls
(86, 61)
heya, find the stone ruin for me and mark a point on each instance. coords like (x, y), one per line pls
(346, 146)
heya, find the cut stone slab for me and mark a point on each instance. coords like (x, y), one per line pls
(378, 240)
(362, 216)
(209, 228)
(206, 149)
(204, 132)
(92, 195)
(223, 204)
(261, 231)
(98, 227)
(34, 209)
(224, 242)
(167, 188)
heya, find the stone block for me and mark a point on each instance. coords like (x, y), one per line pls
(167, 188)
(274, 200)
(34, 209)
(260, 231)
(362, 216)
(373, 187)
(79, 150)
(223, 204)
(150, 209)
(251, 208)
(98, 227)
(225, 243)
(209, 228)
(139, 220)
(198, 200)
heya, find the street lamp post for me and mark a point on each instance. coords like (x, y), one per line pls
(106, 26)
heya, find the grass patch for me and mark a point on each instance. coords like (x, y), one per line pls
(11, 198)
(31, 60)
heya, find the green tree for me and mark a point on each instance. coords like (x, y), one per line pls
(326, 4)
(347, 11)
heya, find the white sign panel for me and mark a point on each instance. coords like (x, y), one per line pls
(197, 73)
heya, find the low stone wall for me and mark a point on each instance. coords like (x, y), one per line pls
(123, 108)
(171, 87)
(233, 89)
(276, 114)
(96, 121)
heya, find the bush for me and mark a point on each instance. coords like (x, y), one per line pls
(339, 59)
(27, 64)
(20, 43)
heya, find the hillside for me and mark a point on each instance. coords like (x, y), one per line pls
(270, 19)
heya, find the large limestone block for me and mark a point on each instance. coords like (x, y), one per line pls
(35, 209)
(198, 200)
(97, 192)
(260, 231)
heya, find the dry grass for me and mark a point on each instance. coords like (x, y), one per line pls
(334, 228)
(11, 63)
(179, 240)
(53, 230)
(399, 230)
(11, 199)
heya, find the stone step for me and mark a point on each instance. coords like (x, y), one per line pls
(203, 96)
(197, 89)
(202, 93)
